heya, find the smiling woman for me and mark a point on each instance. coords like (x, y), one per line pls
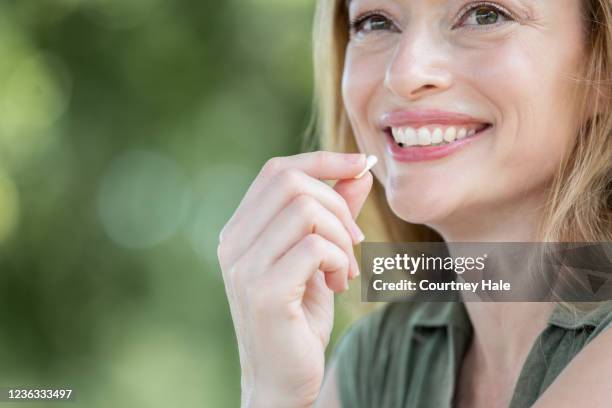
(510, 100)
(492, 122)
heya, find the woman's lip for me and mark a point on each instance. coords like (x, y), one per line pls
(423, 117)
(424, 153)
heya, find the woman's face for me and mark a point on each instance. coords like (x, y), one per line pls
(487, 82)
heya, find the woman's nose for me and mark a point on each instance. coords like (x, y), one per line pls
(420, 66)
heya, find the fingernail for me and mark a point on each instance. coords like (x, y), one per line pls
(356, 232)
(356, 266)
(370, 162)
(355, 157)
(354, 270)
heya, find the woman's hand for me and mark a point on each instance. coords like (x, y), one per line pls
(286, 249)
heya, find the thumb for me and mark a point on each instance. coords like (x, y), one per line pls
(355, 191)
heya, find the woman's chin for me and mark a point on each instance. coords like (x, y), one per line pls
(419, 209)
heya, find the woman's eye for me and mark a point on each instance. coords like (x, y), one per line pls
(484, 15)
(374, 22)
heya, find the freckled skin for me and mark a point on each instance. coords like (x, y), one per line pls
(514, 75)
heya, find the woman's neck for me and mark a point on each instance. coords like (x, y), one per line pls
(504, 332)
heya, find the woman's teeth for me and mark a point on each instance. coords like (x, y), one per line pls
(428, 136)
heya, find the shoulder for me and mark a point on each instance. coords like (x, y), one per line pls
(586, 379)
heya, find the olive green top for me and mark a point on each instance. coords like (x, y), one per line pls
(407, 354)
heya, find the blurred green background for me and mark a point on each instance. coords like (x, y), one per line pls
(129, 131)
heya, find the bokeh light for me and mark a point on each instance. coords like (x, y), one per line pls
(34, 96)
(35, 89)
(143, 199)
(221, 188)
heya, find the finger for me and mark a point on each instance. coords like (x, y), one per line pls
(252, 220)
(303, 216)
(322, 165)
(355, 192)
(311, 254)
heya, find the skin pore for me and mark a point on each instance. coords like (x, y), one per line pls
(507, 63)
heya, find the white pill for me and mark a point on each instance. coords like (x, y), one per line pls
(370, 162)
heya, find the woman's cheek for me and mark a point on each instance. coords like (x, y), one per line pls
(364, 97)
(521, 106)
(363, 73)
(536, 106)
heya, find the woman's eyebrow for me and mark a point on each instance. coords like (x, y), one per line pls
(526, 7)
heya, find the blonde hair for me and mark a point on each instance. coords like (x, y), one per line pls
(579, 198)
